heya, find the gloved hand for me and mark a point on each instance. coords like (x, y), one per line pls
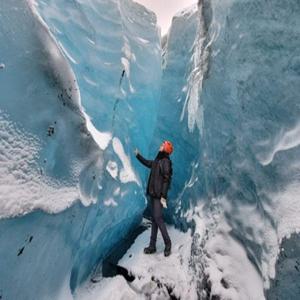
(136, 152)
(163, 201)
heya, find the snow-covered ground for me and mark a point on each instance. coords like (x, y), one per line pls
(156, 276)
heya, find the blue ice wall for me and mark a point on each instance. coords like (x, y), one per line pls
(118, 69)
(119, 89)
(243, 66)
(258, 84)
(69, 90)
(250, 122)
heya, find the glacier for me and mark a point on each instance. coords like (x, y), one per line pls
(67, 127)
(85, 82)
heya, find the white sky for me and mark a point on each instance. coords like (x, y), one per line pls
(165, 10)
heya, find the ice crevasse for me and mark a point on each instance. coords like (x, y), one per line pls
(84, 82)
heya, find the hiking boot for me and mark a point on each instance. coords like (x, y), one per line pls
(149, 250)
(167, 250)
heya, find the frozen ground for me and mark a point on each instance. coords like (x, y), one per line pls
(156, 277)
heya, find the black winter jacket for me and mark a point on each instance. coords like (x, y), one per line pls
(160, 176)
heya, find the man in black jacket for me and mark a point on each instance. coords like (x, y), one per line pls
(157, 188)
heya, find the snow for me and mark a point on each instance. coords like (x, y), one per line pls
(108, 289)
(288, 211)
(101, 138)
(127, 173)
(23, 186)
(129, 56)
(172, 272)
(126, 65)
(231, 274)
(112, 168)
(226, 264)
(110, 202)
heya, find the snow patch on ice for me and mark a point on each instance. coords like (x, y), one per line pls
(285, 208)
(129, 56)
(110, 202)
(117, 191)
(126, 65)
(126, 48)
(112, 169)
(101, 138)
(231, 273)
(24, 187)
(288, 211)
(127, 173)
(227, 265)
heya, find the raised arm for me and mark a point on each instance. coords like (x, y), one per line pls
(147, 163)
(166, 169)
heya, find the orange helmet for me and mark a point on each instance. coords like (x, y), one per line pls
(168, 147)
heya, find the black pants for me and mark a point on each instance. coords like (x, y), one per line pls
(158, 222)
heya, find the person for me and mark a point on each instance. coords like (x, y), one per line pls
(157, 188)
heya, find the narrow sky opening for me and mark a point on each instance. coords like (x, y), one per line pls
(165, 10)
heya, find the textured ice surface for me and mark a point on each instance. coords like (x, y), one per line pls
(240, 137)
(119, 89)
(73, 98)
